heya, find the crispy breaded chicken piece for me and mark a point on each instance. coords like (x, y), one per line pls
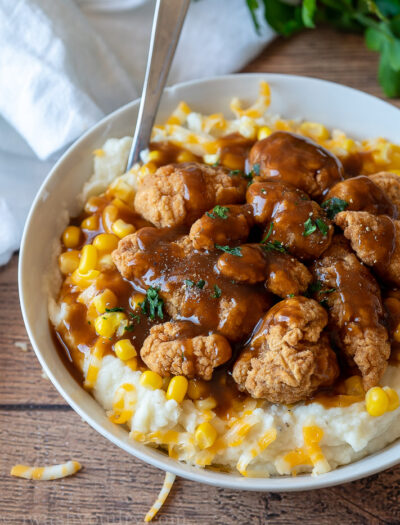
(390, 184)
(362, 193)
(376, 241)
(180, 193)
(355, 309)
(177, 349)
(290, 218)
(165, 259)
(298, 161)
(289, 357)
(283, 274)
(222, 225)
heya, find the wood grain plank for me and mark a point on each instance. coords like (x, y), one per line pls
(18, 368)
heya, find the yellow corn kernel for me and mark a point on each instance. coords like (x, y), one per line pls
(393, 398)
(109, 216)
(177, 388)
(124, 349)
(376, 401)
(122, 228)
(396, 335)
(205, 435)
(155, 156)
(90, 223)
(99, 152)
(148, 168)
(150, 379)
(105, 242)
(106, 299)
(233, 162)
(197, 389)
(122, 190)
(314, 130)
(264, 132)
(354, 386)
(93, 204)
(206, 404)
(136, 300)
(132, 363)
(88, 259)
(68, 262)
(71, 236)
(107, 324)
(186, 156)
(84, 280)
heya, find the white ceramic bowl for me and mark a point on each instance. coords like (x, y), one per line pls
(336, 106)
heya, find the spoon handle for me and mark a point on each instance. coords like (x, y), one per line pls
(169, 16)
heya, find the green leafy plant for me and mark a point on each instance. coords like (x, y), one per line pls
(378, 20)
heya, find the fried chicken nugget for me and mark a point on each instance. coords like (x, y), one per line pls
(355, 309)
(178, 194)
(289, 357)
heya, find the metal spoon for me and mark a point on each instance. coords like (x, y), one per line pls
(169, 16)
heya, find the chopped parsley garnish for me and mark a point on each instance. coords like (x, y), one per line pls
(274, 246)
(314, 287)
(248, 177)
(233, 251)
(271, 227)
(291, 295)
(218, 211)
(216, 164)
(89, 322)
(217, 292)
(131, 326)
(200, 284)
(116, 309)
(152, 304)
(334, 206)
(322, 226)
(330, 290)
(309, 227)
(232, 173)
(189, 283)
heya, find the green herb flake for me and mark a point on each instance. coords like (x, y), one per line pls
(217, 292)
(153, 304)
(234, 173)
(233, 251)
(271, 227)
(218, 211)
(216, 164)
(274, 246)
(329, 290)
(314, 287)
(116, 309)
(189, 283)
(129, 328)
(309, 227)
(322, 226)
(334, 206)
(291, 295)
(200, 284)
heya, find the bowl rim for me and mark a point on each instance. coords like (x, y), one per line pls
(358, 469)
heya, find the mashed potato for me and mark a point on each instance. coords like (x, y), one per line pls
(258, 439)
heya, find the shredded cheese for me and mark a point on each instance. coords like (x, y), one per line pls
(163, 495)
(46, 473)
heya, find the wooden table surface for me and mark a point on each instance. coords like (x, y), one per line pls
(37, 427)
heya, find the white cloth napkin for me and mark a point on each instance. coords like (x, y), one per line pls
(65, 64)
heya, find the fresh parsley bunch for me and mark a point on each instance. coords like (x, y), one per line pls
(379, 20)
